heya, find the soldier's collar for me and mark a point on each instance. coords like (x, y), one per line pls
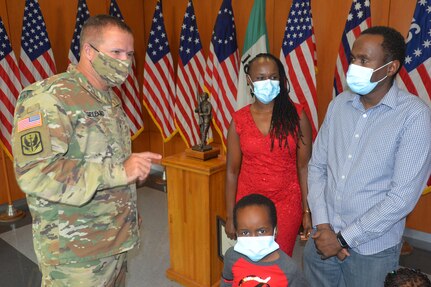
(102, 96)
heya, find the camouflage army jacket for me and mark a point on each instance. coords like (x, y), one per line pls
(69, 143)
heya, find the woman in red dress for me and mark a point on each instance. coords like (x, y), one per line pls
(268, 148)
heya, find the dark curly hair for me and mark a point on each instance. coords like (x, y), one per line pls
(393, 43)
(406, 277)
(285, 118)
(259, 200)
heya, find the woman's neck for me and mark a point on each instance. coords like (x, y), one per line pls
(260, 108)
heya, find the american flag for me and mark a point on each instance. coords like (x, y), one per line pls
(81, 16)
(159, 85)
(128, 92)
(29, 122)
(298, 55)
(190, 80)
(358, 20)
(221, 77)
(9, 89)
(415, 75)
(37, 60)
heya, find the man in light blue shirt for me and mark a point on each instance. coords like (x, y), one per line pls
(370, 163)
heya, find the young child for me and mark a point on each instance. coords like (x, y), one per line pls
(256, 259)
(406, 277)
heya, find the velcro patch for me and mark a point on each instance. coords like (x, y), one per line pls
(30, 122)
(31, 143)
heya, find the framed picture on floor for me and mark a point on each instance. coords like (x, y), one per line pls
(223, 242)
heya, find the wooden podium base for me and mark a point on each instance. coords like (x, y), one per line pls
(195, 200)
(203, 155)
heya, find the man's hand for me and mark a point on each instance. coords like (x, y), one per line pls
(138, 165)
(326, 242)
(343, 254)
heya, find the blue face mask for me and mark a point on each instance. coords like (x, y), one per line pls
(265, 91)
(256, 247)
(358, 79)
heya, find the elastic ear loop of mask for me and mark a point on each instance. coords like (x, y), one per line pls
(251, 89)
(288, 85)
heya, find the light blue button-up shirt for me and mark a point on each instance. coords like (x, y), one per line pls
(369, 167)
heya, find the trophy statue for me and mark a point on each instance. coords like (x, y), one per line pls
(204, 111)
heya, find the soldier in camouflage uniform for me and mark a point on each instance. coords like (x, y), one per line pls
(72, 158)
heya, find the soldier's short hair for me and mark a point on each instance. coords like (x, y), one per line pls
(96, 24)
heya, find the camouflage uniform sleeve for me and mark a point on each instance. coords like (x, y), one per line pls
(46, 164)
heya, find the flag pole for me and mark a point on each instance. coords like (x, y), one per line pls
(11, 213)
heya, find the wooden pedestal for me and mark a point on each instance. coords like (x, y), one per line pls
(203, 155)
(195, 198)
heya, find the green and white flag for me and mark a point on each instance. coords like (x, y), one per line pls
(256, 41)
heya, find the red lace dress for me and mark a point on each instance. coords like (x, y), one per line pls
(270, 173)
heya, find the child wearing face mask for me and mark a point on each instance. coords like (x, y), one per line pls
(256, 259)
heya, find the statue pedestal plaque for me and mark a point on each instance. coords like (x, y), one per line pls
(206, 154)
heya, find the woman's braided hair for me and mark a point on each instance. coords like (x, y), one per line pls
(285, 119)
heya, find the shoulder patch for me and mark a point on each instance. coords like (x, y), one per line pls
(31, 143)
(30, 122)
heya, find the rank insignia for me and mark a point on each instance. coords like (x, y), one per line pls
(31, 143)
